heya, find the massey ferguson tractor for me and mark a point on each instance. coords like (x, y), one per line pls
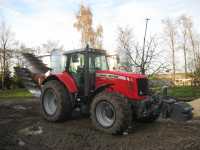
(113, 99)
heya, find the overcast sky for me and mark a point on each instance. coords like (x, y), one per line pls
(36, 21)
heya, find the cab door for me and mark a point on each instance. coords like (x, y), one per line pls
(89, 74)
(77, 70)
(82, 68)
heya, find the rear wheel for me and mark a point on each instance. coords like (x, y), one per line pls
(110, 113)
(55, 101)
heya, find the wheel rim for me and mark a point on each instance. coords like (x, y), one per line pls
(50, 102)
(105, 114)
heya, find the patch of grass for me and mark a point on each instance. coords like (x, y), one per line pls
(185, 91)
(15, 93)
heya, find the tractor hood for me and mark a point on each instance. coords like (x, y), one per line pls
(119, 73)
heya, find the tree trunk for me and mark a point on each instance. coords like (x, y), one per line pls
(4, 67)
(174, 67)
(193, 48)
(173, 60)
(185, 60)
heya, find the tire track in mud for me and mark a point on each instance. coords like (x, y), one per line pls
(79, 133)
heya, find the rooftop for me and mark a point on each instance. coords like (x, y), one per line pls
(93, 50)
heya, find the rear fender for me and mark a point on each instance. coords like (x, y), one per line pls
(65, 79)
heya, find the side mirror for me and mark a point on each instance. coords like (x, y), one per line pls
(75, 58)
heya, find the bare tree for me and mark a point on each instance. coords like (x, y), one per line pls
(132, 53)
(125, 46)
(17, 57)
(189, 41)
(6, 40)
(84, 24)
(184, 24)
(50, 45)
(170, 31)
(193, 40)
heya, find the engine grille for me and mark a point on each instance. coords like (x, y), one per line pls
(143, 88)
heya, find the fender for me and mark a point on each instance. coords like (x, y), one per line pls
(101, 88)
(65, 79)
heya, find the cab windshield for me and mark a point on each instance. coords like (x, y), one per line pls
(101, 62)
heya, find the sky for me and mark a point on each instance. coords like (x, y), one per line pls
(36, 21)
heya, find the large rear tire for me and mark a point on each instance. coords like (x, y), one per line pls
(55, 101)
(110, 113)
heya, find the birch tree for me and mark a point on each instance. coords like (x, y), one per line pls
(170, 31)
(84, 24)
(184, 34)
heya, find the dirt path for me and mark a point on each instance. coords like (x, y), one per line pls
(196, 106)
(22, 127)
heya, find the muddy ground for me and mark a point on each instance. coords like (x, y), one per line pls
(23, 128)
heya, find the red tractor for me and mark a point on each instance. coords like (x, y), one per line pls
(113, 99)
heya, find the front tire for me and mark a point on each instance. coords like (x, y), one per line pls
(110, 113)
(55, 101)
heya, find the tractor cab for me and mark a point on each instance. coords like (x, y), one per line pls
(82, 65)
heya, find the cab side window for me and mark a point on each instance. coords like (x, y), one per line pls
(101, 63)
(76, 63)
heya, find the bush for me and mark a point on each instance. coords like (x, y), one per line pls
(17, 82)
(7, 81)
(13, 82)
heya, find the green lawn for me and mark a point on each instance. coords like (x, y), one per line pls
(182, 93)
(185, 92)
(15, 93)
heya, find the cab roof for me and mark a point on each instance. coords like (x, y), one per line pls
(83, 50)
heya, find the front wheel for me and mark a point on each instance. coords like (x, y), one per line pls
(110, 113)
(55, 101)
